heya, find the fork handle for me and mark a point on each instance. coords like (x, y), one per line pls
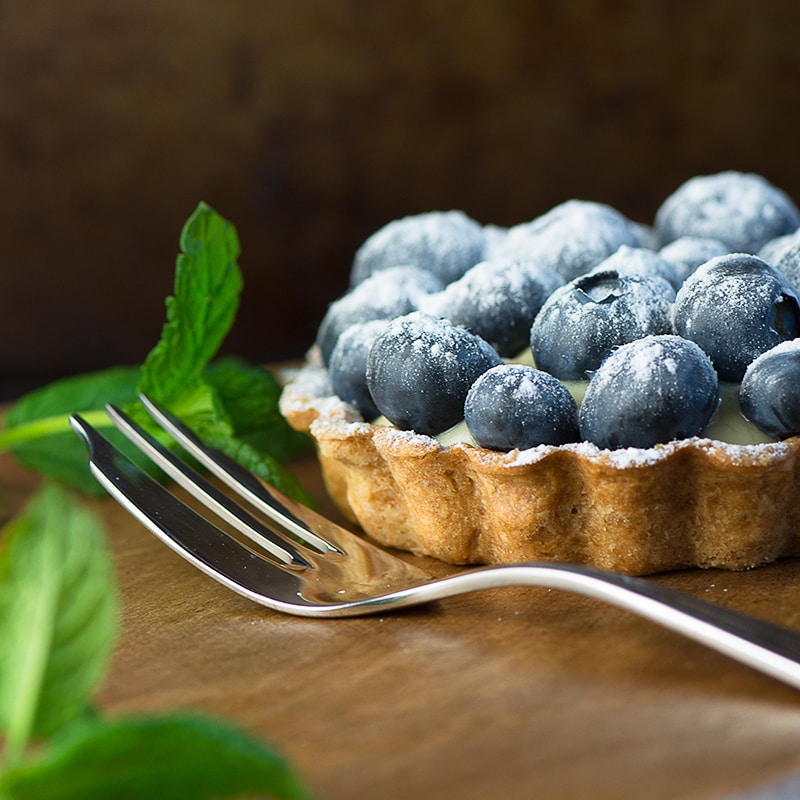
(767, 647)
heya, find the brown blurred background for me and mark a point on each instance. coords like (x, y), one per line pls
(309, 123)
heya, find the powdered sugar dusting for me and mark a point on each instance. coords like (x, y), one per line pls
(687, 253)
(571, 238)
(744, 211)
(585, 319)
(498, 300)
(640, 261)
(388, 294)
(445, 243)
(634, 457)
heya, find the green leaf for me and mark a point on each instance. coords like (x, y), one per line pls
(58, 616)
(202, 309)
(186, 757)
(250, 395)
(79, 393)
(37, 427)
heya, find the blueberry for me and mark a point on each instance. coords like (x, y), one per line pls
(388, 294)
(494, 236)
(770, 391)
(445, 243)
(640, 261)
(516, 407)
(649, 391)
(736, 307)
(742, 210)
(584, 319)
(497, 300)
(348, 365)
(687, 253)
(789, 264)
(775, 249)
(646, 236)
(571, 238)
(420, 369)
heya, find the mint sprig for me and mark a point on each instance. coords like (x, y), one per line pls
(234, 405)
(58, 624)
(58, 597)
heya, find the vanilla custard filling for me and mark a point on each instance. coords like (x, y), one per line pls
(728, 424)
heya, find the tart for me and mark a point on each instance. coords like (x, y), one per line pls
(690, 502)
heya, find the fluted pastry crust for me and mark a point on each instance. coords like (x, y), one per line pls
(690, 503)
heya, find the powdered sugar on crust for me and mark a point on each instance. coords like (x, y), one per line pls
(308, 396)
(629, 458)
(393, 439)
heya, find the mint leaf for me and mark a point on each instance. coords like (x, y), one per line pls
(78, 393)
(37, 427)
(250, 395)
(58, 616)
(202, 309)
(183, 756)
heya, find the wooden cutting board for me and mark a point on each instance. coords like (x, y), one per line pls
(504, 694)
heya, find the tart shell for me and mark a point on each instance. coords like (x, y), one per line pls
(690, 503)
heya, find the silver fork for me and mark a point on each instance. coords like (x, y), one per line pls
(298, 562)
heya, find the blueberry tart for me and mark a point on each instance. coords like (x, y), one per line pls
(580, 387)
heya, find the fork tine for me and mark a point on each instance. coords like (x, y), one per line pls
(184, 530)
(244, 483)
(204, 491)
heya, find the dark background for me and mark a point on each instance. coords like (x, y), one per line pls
(310, 123)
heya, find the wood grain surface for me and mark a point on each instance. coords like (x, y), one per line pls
(504, 694)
